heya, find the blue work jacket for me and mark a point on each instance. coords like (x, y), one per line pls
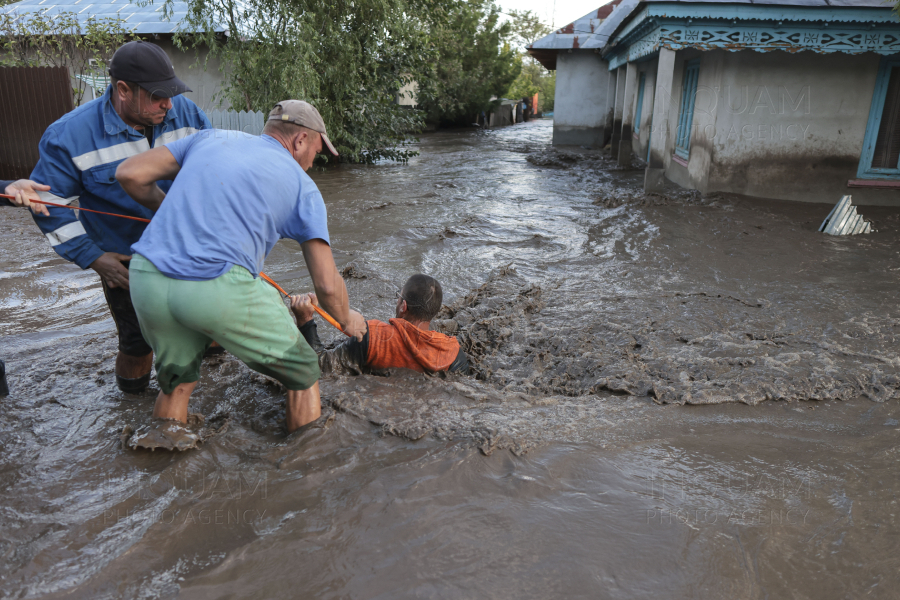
(79, 156)
(3, 184)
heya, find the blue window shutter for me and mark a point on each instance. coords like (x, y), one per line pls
(640, 103)
(686, 115)
(880, 158)
(887, 142)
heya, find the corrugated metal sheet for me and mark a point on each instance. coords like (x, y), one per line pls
(138, 19)
(824, 3)
(590, 33)
(32, 99)
(248, 122)
(585, 33)
(844, 220)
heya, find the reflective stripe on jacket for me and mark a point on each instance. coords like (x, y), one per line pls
(79, 156)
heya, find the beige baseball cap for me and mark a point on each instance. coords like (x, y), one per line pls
(304, 114)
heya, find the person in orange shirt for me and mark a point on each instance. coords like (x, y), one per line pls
(404, 342)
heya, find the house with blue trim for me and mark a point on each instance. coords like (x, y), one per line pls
(150, 22)
(784, 99)
(581, 113)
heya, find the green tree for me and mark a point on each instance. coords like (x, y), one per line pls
(534, 79)
(547, 91)
(526, 28)
(346, 57)
(473, 62)
(60, 40)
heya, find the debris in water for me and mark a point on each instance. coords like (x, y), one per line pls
(169, 434)
(844, 220)
(352, 271)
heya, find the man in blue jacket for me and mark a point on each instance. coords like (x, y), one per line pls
(140, 110)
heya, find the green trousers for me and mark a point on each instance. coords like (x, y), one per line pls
(245, 315)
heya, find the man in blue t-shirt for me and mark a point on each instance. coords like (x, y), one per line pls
(195, 271)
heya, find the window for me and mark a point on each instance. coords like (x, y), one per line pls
(881, 149)
(640, 103)
(686, 116)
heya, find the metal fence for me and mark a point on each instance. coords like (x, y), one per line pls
(503, 115)
(248, 122)
(32, 99)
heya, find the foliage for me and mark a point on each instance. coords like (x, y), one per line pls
(527, 84)
(535, 79)
(60, 40)
(348, 58)
(526, 28)
(547, 91)
(473, 63)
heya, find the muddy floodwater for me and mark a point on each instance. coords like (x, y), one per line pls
(672, 396)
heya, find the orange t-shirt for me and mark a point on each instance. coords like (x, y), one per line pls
(402, 344)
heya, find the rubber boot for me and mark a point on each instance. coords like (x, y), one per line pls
(4, 388)
(133, 365)
(133, 386)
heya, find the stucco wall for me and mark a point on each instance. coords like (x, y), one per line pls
(409, 94)
(779, 125)
(204, 83)
(580, 103)
(695, 175)
(641, 141)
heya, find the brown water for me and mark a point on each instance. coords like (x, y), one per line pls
(576, 462)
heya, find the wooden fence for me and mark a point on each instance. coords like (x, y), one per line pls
(32, 98)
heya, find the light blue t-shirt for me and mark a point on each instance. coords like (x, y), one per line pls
(235, 196)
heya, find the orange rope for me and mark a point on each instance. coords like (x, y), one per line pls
(321, 312)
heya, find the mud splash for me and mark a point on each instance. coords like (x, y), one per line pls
(170, 435)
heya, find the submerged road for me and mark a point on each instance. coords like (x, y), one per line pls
(674, 397)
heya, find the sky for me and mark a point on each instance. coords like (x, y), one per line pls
(566, 11)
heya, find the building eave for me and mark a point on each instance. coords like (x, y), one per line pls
(547, 57)
(732, 27)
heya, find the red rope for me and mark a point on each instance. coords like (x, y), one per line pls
(99, 212)
(321, 312)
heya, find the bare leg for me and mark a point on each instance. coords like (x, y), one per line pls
(303, 406)
(174, 405)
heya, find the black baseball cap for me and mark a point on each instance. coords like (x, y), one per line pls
(148, 66)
